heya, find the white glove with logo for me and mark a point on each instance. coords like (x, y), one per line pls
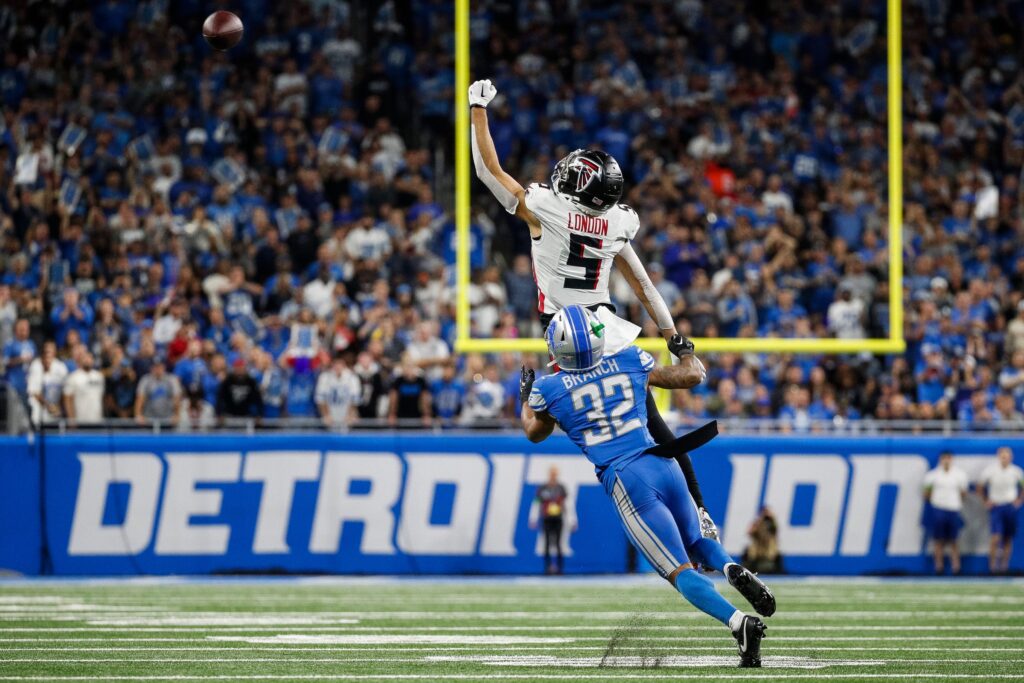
(481, 93)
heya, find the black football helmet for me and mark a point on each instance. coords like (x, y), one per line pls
(590, 179)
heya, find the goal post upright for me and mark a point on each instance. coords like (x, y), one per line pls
(894, 343)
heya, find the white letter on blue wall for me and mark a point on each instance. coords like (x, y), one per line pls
(89, 535)
(870, 472)
(468, 473)
(828, 474)
(182, 501)
(503, 502)
(336, 504)
(278, 471)
(744, 500)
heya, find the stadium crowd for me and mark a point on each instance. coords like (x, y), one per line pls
(189, 235)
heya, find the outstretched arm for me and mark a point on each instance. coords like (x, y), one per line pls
(537, 426)
(688, 374)
(504, 187)
(636, 275)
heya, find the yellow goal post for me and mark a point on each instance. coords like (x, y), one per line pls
(895, 343)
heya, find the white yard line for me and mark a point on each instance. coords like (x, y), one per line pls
(284, 647)
(386, 639)
(667, 661)
(634, 675)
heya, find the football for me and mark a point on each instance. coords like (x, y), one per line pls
(222, 30)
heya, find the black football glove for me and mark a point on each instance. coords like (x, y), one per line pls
(526, 384)
(679, 346)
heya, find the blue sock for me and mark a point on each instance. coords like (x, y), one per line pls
(701, 593)
(710, 553)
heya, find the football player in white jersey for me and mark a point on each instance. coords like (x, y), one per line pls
(578, 230)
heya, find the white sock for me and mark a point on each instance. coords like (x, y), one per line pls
(736, 620)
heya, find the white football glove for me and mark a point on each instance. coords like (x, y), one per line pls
(481, 93)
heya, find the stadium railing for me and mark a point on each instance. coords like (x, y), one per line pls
(866, 427)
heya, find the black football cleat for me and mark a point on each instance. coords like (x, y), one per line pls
(748, 642)
(752, 588)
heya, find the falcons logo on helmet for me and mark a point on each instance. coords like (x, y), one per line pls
(587, 171)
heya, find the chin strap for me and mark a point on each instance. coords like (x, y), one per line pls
(504, 197)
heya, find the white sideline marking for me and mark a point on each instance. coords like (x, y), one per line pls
(473, 616)
(455, 639)
(284, 647)
(514, 677)
(622, 661)
(224, 620)
(776, 629)
(643, 662)
(384, 639)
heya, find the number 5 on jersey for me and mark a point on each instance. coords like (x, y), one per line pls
(577, 248)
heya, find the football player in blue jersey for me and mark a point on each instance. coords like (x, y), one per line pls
(600, 403)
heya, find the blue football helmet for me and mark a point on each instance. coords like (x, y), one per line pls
(575, 339)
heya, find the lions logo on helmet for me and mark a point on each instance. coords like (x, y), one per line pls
(575, 339)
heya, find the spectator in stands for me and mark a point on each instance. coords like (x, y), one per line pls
(72, 314)
(18, 353)
(448, 393)
(158, 395)
(119, 393)
(84, 390)
(428, 351)
(409, 397)
(337, 395)
(46, 376)
(196, 413)
(239, 394)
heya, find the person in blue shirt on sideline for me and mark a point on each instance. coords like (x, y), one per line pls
(594, 399)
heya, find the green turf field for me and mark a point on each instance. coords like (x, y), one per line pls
(515, 630)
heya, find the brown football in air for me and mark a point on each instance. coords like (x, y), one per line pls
(222, 30)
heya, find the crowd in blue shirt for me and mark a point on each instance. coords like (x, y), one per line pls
(290, 200)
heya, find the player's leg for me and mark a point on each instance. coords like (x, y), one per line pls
(709, 551)
(954, 557)
(638, 493)
(1007, 554)
(662, 434)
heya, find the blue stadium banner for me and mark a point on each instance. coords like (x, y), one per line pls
(444, 504)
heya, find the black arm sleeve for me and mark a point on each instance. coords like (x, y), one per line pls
(662, 434)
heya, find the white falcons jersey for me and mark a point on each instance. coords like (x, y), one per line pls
(572, 260)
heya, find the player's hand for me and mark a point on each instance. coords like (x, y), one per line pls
(526, 379)
(679, 346)
(481, 93)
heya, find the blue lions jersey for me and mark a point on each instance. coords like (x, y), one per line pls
(604, 410)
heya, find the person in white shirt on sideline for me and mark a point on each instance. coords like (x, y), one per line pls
(945, 488)
(83, 393)
(1001, 487)
(337, 394)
